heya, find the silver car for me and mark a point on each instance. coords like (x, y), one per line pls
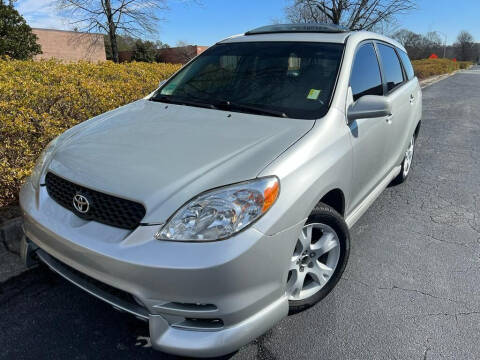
(222, 201)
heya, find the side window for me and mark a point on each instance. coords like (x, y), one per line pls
(365, 78)
(392, 70)
(407, 65)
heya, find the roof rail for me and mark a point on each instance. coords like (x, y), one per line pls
(296, 28)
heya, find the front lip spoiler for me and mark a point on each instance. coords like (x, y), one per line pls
(90, 288)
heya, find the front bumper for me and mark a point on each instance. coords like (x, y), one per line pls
(201, 299)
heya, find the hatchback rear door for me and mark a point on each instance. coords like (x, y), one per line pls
(400, 94)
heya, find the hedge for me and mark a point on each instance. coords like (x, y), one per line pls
(429, 67)
(40, 100)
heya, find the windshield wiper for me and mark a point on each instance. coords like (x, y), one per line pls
(161, 98)
(170, 100)
(226, 104)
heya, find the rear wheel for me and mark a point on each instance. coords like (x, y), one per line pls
(319, 258)
(407, 163)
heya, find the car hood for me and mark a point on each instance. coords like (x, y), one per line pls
(162, 155)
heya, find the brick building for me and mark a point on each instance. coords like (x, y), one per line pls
(70, 45)
(180, 55)
(174, 55)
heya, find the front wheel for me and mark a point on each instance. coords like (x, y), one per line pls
(319, 258)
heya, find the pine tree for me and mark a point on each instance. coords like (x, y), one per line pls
(16, 38)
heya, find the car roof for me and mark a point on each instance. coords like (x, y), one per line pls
(291, 36)
(294, 32)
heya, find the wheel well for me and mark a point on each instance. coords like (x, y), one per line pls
(417, 129)
(335, 199)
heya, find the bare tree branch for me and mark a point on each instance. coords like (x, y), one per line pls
(352, 14)
(465, 46)
(122, 17)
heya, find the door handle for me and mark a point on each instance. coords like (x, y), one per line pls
(412, 99)
(389, 119)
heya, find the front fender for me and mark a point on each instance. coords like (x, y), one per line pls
(319, 162)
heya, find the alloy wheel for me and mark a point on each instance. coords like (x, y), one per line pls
(408, 157)
(314, 261)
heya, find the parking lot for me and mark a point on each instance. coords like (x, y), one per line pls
(410, 291)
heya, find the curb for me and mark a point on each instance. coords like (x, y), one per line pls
(10, 234)
(434, 79)
(11, 264)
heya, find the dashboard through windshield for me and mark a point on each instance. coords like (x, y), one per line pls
(287, 79)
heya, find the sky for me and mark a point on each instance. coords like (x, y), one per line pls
(206, 21)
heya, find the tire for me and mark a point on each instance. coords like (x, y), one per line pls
(321, 271)
(406, 163)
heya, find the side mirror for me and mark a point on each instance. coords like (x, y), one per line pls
(161, 83)
(369, 106)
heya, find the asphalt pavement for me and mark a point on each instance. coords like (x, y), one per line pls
(411, 289)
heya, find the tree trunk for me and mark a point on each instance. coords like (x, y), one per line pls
(112, 31)
(113, 42)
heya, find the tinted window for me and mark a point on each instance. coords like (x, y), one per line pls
(365, 78)
(292, 78)
(407, 65)
(391, 66)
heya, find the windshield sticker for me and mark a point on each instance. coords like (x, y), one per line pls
(313, 94)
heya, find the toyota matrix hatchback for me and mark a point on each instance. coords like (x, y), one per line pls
(222, 201)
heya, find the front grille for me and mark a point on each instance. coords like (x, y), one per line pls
(103, 208)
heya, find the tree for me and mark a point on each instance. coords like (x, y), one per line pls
(465, 46)
(144, 51)
(161, 45)
(412, 42)
(352, 14)
(419, 46)
(406, 37)
(433, 38)
(128, 43)
(301, 12)
(124, 43)
(16, 37)
(113, 17)
(184, 51)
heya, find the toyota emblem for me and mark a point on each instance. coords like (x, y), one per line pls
(81, 203)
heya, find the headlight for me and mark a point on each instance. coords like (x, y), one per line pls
(220, 213)
(41, 162)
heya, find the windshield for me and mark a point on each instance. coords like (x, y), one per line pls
(289, 79)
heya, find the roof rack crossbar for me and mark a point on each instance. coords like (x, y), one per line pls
(292, 28)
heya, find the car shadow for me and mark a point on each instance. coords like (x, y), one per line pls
(44, 316)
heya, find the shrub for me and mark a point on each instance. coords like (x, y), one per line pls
(430, 67)
(464, 64)
(40, 100)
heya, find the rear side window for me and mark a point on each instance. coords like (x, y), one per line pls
(407, 65)
(392, 69)
(365, 78)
